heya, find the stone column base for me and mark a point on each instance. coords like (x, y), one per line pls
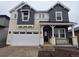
(53, 42)
(75, 41)
(41, 41)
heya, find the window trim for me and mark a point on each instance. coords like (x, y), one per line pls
(56, 15)
(27, 16)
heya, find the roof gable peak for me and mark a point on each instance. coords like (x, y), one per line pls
(20, 6)
(61, 5)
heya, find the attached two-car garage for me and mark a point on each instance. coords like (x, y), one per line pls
(23, 39)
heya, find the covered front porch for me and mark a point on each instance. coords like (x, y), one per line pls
(57, 34)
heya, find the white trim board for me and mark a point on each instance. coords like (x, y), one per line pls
(58, 24)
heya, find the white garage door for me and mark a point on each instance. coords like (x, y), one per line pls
(24, 39)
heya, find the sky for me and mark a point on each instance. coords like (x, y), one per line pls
(6, 6)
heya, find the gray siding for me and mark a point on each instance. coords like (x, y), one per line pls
(31, 19)
(58, 8)
(3, 33)
(51, 13)
(4, 21)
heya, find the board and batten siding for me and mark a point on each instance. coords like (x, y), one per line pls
(52, 16)
(31, 19)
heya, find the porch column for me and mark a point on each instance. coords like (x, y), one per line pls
(41, 40)
(74, 38)
(73, 34)
(53, 38)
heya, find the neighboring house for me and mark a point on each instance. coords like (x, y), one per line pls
(76, 30)
(29, 27)
(4, 23)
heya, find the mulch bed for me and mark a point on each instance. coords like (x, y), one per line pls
(58, 53)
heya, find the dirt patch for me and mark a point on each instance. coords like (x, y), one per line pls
(58, 53)
(19, 52)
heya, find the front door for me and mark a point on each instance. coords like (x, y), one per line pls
(46, 36)
(47, 33)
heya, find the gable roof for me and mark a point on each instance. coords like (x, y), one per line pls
(24, 3)
(19, 6)
(58, 3)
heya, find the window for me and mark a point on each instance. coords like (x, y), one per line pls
(43, 15)
(39, 15)
(56, 32)
(29, 32)
(9, 32)
(19, 26)
(58, 16)
(15, 16)
(60, 33)
(15, 32)
(35, 32)
(29, 26)
(25, 27)
(25, 15)
(22, 32)
(45, 32)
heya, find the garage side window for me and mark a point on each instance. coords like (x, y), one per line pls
(22, 32)
(15, 32)
(35, 32)
(29, 32)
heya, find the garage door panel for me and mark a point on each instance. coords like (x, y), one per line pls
(25, 39)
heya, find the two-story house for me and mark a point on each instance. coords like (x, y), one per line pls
(4, 24)
(29, 27)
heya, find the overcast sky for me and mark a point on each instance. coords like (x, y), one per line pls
(6, 6)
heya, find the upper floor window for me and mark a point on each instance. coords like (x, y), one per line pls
(41, 15)
(25, 15)
(58, 15)
(15, 16)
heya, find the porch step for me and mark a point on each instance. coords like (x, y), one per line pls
(65, 46)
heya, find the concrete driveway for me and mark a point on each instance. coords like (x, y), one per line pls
(19, 51)
(14, 51)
